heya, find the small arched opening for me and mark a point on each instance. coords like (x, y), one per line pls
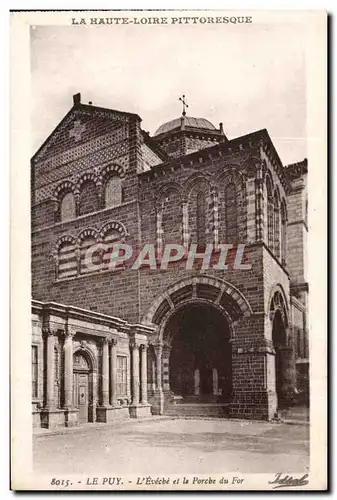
(285, 373)
(279, 343)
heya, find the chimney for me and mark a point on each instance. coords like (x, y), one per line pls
(77, 99)
(221, 128)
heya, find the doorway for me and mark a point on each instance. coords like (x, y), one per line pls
(81, 386)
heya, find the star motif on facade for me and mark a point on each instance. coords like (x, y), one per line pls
(77, 130)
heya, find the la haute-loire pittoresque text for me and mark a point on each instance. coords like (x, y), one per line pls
(162, 20)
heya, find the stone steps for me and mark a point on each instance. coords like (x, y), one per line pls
(197, 410)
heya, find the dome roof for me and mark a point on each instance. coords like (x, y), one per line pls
(201, 123)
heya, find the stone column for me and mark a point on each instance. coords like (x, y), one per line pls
(166, 367)
(260, 209)
(94, 394)
(135, 373)
(196, 382)
(158, 405)
(50, 340)
(215, 382)
(144, 373)
(253, 206)
(105, 373)
(159, 356)
(215, 222)
(113, 372)
(159, 232)
(185, 225)
(68, 370)
(153, 371)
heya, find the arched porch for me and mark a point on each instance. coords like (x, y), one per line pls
(190, 358)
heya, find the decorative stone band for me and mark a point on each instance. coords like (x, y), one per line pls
(254, 350)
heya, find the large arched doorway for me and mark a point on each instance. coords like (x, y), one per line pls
(200, 355)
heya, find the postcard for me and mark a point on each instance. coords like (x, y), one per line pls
(168, 313)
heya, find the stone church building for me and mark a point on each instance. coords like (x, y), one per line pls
(121, 343)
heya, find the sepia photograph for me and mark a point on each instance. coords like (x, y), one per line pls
(170, 193)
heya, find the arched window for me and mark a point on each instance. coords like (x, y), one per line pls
(89, 261)
(283, 232)
(277, 234)
(113, 192)
(67, 261)
(198, 214)
(67, 207)
(231, 219)
(172, 219)
(201, 219)
(270, 214)
(111, 237)
(88, 198)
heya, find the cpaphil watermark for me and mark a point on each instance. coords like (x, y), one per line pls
(118, 256)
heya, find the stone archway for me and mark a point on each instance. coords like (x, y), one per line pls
(215, 290)
(200, 294)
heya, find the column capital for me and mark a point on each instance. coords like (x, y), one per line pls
(166, 348)
(113, 342)
(158, 347)
(157, 344)
(271, 315)
(143, 347)
(49, 331)
(70, 331)
(105, 340)
(134, 344)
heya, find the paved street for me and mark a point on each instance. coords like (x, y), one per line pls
(175, 446)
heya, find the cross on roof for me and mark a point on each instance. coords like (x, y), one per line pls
(77, 130)
(185, 105)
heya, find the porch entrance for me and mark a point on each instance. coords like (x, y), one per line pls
(200, 358)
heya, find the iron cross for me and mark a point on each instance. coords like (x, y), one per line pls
(185, 105)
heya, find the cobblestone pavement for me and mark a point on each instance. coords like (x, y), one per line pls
(175, 446)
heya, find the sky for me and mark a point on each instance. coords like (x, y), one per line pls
(247, 76)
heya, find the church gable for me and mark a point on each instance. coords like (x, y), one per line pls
(84, 129)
